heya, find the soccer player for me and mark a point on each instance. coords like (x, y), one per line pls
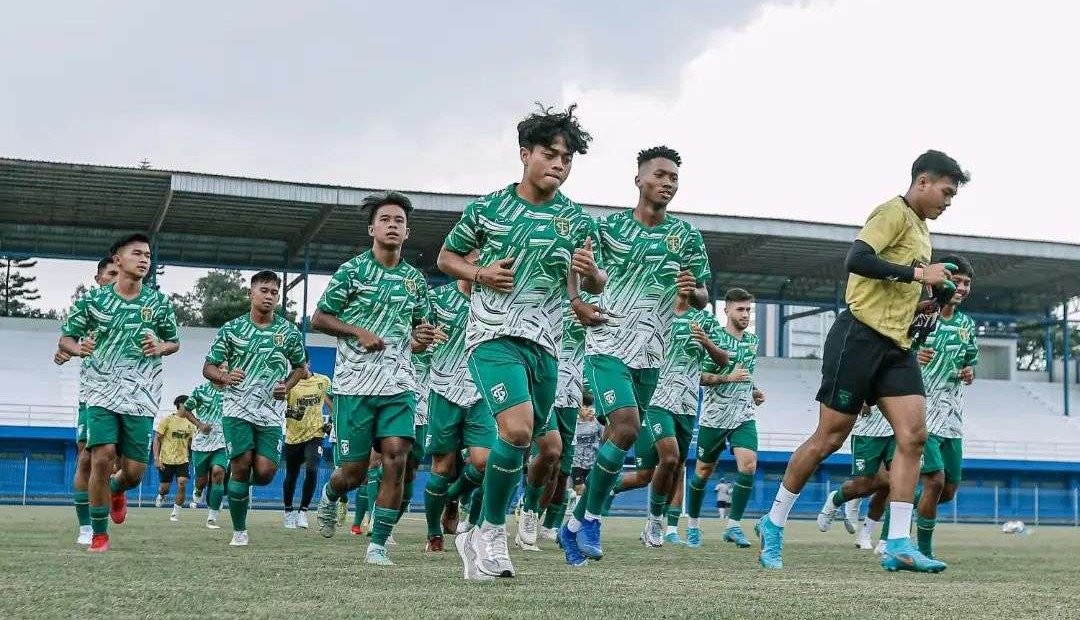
(723, 497)
(259, 347)
(457, 417)
(651, 257)
(125, 328)
(673, 407)
(172, 455)
(727, 417)
(534, 244)
(377, 307)
(587, 434)
(208, 455)
(303, 442)
(107, 271)
(948, 365)
(872, 450)
(867, 356)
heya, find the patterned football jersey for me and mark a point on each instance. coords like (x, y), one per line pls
(421, 363)
(117, 376)
(730, 404)
(264, 354)
(205, 402)
(677, 388)
(571, 380)
(955, 347)
(387, 303)
(450, 376)
(541, 239)
(642, 264)
(872, 424)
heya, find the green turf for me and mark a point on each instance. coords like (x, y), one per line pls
(162, 569)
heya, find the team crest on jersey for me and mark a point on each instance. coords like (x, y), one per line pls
(146, 313)
(673, 242)
(279, 340)
(963, 334)
(343, 446)
(561, 225)
(410, 285)
(609, 397)
(499, 393)
(860, 464)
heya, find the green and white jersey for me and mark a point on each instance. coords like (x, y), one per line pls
(571, 336)
(83, 363)
(728, 405)
(677, 388)
(642, 264)
(205, 402)
(954, 346)
(264, 354)
(117, 376)
(387, 303)
(450, 376)
(872, 424)
(541, 239)
(421, 363)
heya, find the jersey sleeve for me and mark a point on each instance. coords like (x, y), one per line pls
(219, 348)
(192, 403)
(78, 322)
(295, 348)
(695, 259)
(466, 235)
(166, 326)
(972, 357)
(422, 311)
(161, 427)
(883, 228)
(592, 232)
(338, 291)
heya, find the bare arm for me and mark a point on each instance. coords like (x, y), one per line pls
(455, 266)
(190, 417)
(157, 449)
(333, 326)
(70, 346)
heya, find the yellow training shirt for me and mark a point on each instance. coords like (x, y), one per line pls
(176, 433)
(307, 395)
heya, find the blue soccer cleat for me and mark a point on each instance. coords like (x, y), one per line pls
(588, 539)
(693, 537)
(569, 543)
(734, 534)
(772, 543)
(900, 554)
(672, 538)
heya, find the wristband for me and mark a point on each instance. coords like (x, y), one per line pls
(476, 274)
(575, 298)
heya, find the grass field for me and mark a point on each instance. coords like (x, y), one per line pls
(165, 570)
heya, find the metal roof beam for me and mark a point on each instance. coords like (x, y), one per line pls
(296, 246)
(163, 210)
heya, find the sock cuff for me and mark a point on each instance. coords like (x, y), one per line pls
(82, 497)
(925, 524)
(473, 475)
(698, 482)
(744, 480)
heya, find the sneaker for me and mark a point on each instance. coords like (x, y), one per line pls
(450, 516)
(175, 516)
(467, 551)
(118, 507)
(734, 534)
(851, 515)
(327, 514)
(99, 543)
(549, 533)
(290, 519)
(462, 527)
(673, 539)
(377, 556)
(86, 535)
(879, 549)
(197, 498)
(211, 520)
(492, 555)
(772, 543)
(588, 539)
(693, 537)
(342, 512)
(239, 539)
(434, 544)
(301, 520)
(389, 540)
(863, 542)
(653, 536)
(356, 530)
(528, 528)
(900, 554)
(569, 544)
(829, 511)
(159, 501)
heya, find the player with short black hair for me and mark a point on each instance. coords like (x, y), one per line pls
(172, 455)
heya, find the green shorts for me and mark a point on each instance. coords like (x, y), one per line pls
(868, 453)
(944, 453)
(131, 434)
(616, 386)
(667, 424)
(419, 440)
(711, 441)
(361, 420)
(645, 456)
(80, 424)
(510, 371)
(204, 462)
(242, 437)
(565, 421)
(452, 427)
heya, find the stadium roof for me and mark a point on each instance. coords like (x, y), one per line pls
(64, 210)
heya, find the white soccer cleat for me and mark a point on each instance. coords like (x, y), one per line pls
(653, 536)
(864, 543)
(86, 534)
(290, 520)
(174, 517)
(390, 540)
(880, 548)
(465, 543)
(492, 554)
(463, 527)
(528, 528)
(159, 501)
(239, 539)
(827, 514)
(851, 515)
(211, 520)
(301, 520)
(197, 498)
(549, 533)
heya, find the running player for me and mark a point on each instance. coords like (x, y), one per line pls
(867, 356)
(259, 346)
(377, 307)
(107, 271)
(203, 409)
(303, 442)
(125, 328)
(172, 455)
(652, 256)
(727, 417)
(872, 449)
(534, 244)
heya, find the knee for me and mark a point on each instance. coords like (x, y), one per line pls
(948, 492)
(442, 467)
(551, 451)
(934, 484)
(624, 435)
(217, 476)
(103, 457)
(480, 463)
(668, 461)
(749, 468)
(265, 475)
(827, 443)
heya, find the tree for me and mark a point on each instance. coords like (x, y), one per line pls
(219, 296)
(17, 288)
(1031, 346)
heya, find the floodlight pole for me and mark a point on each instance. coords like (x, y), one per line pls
(1048, 342)
(304, 325)
(1065, 352)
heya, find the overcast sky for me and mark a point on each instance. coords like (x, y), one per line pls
(809, 110)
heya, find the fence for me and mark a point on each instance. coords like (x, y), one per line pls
(46, 478)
